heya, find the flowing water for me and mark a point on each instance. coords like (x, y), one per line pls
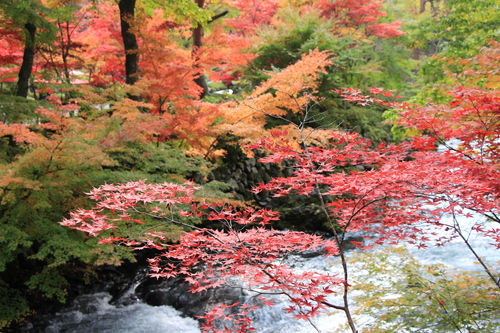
(94, 313)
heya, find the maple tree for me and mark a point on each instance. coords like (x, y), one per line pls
(247, 254)
(197, 36)
(168, 71)
(103, 61)
(467, 128)
(127, 16)
(58, 64)
(364, 13)
(193, 12)
(11, 53)
(253, 14)
(31, 18)
(287, 92)
(50, 50)
(400, 189)
(38, 182)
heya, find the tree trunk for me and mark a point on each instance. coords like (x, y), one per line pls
(127, 12)
(422, 6)
(197, 43)
(28, 59)
(416, 51)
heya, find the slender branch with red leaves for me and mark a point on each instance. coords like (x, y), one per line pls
(246, 248)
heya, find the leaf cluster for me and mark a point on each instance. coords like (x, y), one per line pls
(405, 295)
(14, 109)
(454, 31)
(245, 248)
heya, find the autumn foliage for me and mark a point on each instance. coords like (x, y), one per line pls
(289, 91)
(275, 78)
(392, 191)
(364, 13)
(246, 248)
(10, 53)
(401, 189)
(253, 14)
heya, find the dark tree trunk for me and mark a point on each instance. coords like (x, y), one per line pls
(28, 59)
(416, 51)
(127, 11)
(422, 6)
(197, 43)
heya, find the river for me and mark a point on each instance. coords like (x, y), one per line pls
(94, 312)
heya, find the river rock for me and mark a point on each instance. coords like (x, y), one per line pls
(175, 292)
